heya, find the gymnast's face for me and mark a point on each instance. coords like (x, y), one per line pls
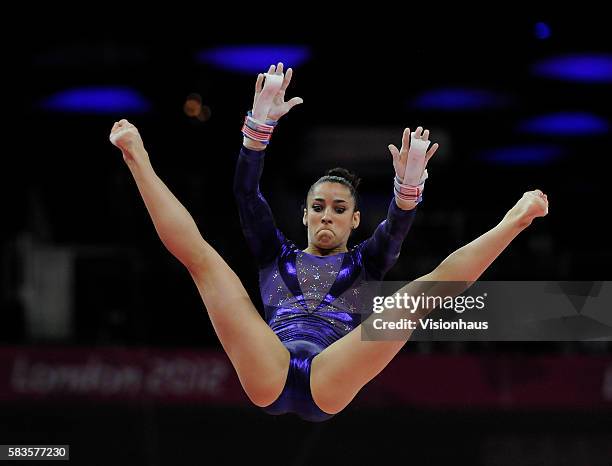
(330, 216)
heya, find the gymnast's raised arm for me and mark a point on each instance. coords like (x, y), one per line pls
(383, 248)
(256, 216)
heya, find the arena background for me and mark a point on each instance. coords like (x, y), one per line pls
(105, 344)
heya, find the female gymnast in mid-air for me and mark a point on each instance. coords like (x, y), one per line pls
(308, 356)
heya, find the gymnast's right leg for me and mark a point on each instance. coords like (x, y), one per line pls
(259, 358)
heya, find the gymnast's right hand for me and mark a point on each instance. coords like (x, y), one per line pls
(275, 105)
(126, 137)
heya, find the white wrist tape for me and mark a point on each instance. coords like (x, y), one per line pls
(264, 101)
(415, 163)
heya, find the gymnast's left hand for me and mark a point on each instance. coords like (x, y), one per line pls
(400, 156)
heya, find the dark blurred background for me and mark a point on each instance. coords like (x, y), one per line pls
(515, 104)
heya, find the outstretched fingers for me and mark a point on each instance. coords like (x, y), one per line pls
(430, 153)
(406, 139)
(405, 145)
(295, 101)
(287, 79)
(258, 87)
(259, 83)
(395, 153)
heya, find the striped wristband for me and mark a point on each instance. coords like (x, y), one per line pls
(408, 196)
(257, 131)
(268, 121)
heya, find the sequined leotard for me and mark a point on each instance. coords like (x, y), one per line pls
(309, 301)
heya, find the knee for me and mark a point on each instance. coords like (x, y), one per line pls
(329, 396)
(261, 400)
(331, 404)
(264, 390)
(263, 394)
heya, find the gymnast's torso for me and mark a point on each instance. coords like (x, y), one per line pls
(306, 297)
(314, 298)
(310, 301)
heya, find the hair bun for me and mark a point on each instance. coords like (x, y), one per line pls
(351, 177)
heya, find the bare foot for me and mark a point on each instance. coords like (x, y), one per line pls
(533, 204)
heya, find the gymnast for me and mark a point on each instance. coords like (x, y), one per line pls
(307, 356)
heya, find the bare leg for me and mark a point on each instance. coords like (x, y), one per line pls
(260, 359)
(343, 368)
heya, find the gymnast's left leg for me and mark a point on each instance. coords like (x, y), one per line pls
(347, 365)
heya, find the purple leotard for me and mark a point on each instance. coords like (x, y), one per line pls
(310, 301)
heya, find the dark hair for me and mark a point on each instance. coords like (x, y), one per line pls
(342, 176)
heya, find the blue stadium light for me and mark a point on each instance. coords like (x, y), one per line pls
(102, 100)
(453, 99)
(565, 124)
(542, 31)
(587, 68)
(254, 58)
(522, 155)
